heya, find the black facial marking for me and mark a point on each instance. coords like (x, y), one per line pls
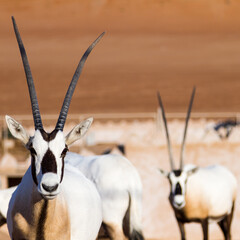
(49, 162)
(32, 151)
(33, 169)
(33, 166)
(178, 189)
(177, 173)
(48, 136)
(62, 170)
(64, 152)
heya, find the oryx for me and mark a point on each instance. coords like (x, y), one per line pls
(54, 200)
(199, 194)
(120, 189)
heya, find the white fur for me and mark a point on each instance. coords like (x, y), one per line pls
(115, 178)
(5, 196)
(208, 194)
(213, 187)
(80, 194)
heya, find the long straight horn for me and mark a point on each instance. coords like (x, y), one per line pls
(63, 114)
(166, 130)
(31, 88)
(186, 126)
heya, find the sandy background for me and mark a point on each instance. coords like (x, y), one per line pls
(150, 45)
(166, 45)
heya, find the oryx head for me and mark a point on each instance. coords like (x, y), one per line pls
(177, 177)
(48, 149)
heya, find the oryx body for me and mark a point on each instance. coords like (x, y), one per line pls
(210, 193)
(200, 194)
(74, 214)
(5, 196)
(120, 188)
(54, 199)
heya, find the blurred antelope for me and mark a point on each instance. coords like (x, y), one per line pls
(200, 194)
(120, 188)
(54, 200)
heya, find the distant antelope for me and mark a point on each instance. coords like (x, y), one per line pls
(54, 200)
(200, 194)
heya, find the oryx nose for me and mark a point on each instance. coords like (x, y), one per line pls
(179, 204)
(49, 188)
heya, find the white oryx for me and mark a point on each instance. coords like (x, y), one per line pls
(200, 194)
(120, 188)
(5, 196)
(54, 200)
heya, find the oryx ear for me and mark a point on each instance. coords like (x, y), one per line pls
(192, 170)
(164, 173)
(17, 130)
(78, 132)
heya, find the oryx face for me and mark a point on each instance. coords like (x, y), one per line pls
(177, 178)
(178, 181)
(47, 153)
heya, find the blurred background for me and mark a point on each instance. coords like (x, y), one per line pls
(150, 45)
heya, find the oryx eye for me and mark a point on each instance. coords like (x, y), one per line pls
(32, 151)
(63, 154)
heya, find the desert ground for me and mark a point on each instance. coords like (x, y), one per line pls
(149, 45)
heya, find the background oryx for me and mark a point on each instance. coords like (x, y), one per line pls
(200, 194)
(54, 200)
(120, 188)
(5, 196)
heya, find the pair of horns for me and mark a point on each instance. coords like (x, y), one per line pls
(185, 130)
(32, 92)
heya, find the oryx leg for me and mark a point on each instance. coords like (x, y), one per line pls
(204, 223)
(115, 232)
(225, 225)
(102, 234)
(2, 220)
(182, 230)
(115, 204)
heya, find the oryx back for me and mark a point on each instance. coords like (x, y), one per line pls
(211, 192)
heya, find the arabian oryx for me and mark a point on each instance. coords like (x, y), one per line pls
(54, 200)
(120, 188)
(5, 196)
(200, 194)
